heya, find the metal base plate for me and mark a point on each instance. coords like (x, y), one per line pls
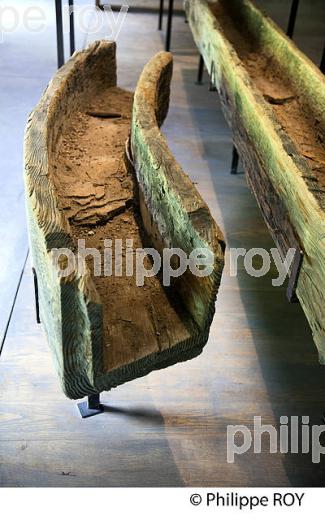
(85, 411)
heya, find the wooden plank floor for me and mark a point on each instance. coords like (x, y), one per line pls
(169, 428)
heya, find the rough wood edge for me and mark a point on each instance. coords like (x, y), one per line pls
(271, 151)
(173, 212)
(70, 307)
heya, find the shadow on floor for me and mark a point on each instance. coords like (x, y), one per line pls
(286, 353)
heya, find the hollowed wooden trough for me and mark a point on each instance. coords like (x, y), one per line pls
(97, 169)
(273, 97)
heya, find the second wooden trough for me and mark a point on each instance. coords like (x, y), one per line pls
(273, 97)
(81, 185)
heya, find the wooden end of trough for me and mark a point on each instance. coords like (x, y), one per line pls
(97, 168)
(273, 97)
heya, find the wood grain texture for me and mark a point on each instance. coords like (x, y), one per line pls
(290, 195)
(71, 307)
(173, 212)
(170, 427)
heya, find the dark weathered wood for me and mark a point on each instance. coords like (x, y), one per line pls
(173, 212)
(289, 190)
(99, 343)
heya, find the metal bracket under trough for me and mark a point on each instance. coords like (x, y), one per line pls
(294, 276)
(38, 319)
(91, 407)
(212, 86)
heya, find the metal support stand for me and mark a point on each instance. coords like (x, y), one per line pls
(133, 9)
(200, 71)
(59, 32)
(212, 87)
(292, 18)
(139, 9)
(71, 20)
(169, 25)
(234, 161)
(322, 63)
(293, 280)
(91, 407)
(38, 320)
(161, 15)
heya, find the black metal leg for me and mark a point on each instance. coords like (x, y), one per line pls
(212, 86)
(293, 279)
(71, 20)
(38, 319)
(200, 71)
(59, 32)
(91, 407)
(234, 161)
(169, 24)
(161, 14)
(292, 18)
(322, 63)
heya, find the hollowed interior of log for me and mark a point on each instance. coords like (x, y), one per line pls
(270, 76)
(98, 193)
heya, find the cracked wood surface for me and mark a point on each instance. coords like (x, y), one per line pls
(273, 98)
(103, 330)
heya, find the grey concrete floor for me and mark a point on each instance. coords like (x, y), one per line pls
(169, 428)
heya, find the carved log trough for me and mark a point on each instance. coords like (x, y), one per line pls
(273, 97)
(97, 168)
